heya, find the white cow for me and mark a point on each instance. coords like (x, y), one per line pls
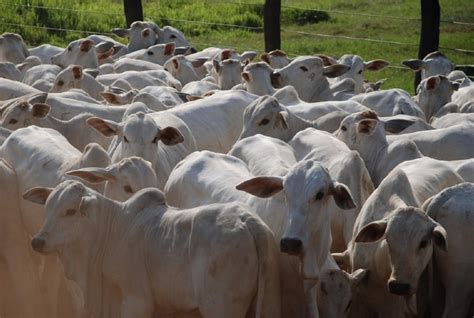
(158, 53)
(76, 130)
(452, 119)
(139, 135)
(11, 89)
(257, 78)
(453, 209)
(141, 35)
(298, 216)
(141, 80)
(357, 69)
(187, 260)
(186, 70)
(13, 48)
(309, 76)
(276, 58)
(122, 179)
(80, 52)
(401, 234)
(434, 63)
(10, 71)
(129, 64)
(41, 76)
(228, 73)
(40, 157)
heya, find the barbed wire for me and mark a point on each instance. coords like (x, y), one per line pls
(209, 23)
(54, 29)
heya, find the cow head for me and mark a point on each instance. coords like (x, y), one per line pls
(123, 178)
(434, 92)
(79, 52)
(307, 188)
(68, 218)
(410, 235)
(434, 63)
(257, 78)
(23, 114)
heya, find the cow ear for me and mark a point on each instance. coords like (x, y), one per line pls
(87, 203)
(216, 65)
(327, 60)
(265, 57)
(440, 237)
(366, 126)
(358, 276)
(262, 187)
(169, 48)
(281, 120)
(93, 174)
(77, 72)
(248, 55)
(170, 136)
(335, 70)
(376, 65)
(175, 63)
(342, 196)
(415, 65)
(198, 62)
(123, 33)
(40, 110)
(107, 128)
(372, 232)
(146, 32)
(246, 76)
(432, 82)
(86, 45)
(37, 195)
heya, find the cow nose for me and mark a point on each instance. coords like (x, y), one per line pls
(291, 246)
(275, 79)
(38, 244)
(397, 288)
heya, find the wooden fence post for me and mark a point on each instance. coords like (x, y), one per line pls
(429, 37)
(271, 24)
(133, 11)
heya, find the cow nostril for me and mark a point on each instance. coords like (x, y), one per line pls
(400, 289)
(292, 246)
(37, 244)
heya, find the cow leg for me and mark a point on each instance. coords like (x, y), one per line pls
(310, 297)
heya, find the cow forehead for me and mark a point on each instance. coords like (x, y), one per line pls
(351, 60)
(307, 177)
(67, 193)
(140, 125)
(408, 224)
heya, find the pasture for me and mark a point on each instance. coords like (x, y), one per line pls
(238, 24)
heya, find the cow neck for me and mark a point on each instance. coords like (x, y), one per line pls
(374, 149)
(296, 124)
(321, 91)
(434, 104)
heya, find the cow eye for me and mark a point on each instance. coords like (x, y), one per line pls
(423, 244)
(155, 140)
(343, 128)
(304, 68)
(172, 36)
(13, 121)
(125, 139)
(264, 122)
(69, 48)
(319, 195)
(149, 53)
(60, 83)
(70, 212)
(360, 72)
(128, 189)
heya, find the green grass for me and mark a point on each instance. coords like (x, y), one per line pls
(103, 15)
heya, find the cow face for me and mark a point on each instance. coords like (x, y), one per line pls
(70, 77)
(183, 69)
(307, 74)
(158, 53)
(123, 178)
(433, 64)
(308, 189)
(433, 92)
(410, 235)
(228, 73)
(138, 136)
(80, 52)
(257, 78)
(358, 68)
(276, 59)
(335, 290)
(358, 130)
(23, 114)
(267, 117)
(68, 215)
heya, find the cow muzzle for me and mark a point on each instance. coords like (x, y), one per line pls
(291, 246)
(275, 79)
(397, 288)
(38, 244)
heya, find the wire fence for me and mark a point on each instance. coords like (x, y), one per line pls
(236, 26)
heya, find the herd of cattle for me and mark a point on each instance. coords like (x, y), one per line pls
(154, 180)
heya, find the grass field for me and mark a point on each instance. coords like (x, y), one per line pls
(102, 15)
